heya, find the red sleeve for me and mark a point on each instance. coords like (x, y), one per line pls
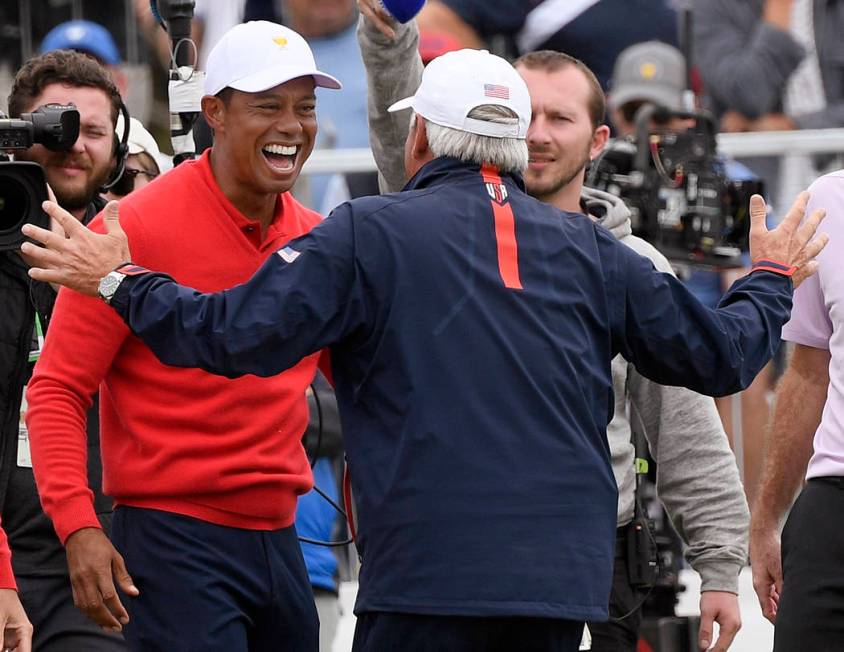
(7, 577)
(83, 337)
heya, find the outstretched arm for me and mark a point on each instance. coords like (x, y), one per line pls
(302, 299)
(673, 339)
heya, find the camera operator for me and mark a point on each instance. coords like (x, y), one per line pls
(698, 481)
(654, 73)
(63, 77)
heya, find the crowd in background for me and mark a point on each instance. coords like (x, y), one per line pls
(759, 65)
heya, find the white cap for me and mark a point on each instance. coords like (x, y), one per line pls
(255, 56)
(457, 82)
(140, 140)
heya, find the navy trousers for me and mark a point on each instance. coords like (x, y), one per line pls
(811, 609)
(396, 632)
(206, 587)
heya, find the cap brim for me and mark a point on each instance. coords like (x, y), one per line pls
(406, 103)
(266, 79)
(665, 97)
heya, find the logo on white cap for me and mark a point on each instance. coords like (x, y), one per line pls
(258, 55)
(457, 82)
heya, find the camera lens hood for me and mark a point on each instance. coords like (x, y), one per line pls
(23, 189)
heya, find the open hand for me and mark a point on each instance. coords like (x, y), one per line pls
(791, 242)
(80, 259)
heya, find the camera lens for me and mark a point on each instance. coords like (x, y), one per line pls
(14, 204)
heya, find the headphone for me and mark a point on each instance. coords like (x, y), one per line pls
(121, 150)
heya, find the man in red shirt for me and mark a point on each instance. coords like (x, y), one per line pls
(15, 628)
(204, 470)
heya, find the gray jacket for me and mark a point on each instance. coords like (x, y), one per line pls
(746, 62)
(697, 479)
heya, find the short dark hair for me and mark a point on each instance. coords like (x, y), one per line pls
(61, 67)
(552, 61)
(226, 95)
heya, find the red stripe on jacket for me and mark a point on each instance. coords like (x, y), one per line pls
(505, 230)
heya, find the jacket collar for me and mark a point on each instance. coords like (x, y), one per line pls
(446, 169)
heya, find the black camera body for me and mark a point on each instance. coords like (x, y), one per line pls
(677, 189)
(23, 187)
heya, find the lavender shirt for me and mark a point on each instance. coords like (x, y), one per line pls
(817, 320)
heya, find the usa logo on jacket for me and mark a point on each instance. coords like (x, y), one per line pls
(497, 191)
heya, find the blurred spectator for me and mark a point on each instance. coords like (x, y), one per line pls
(329, 27)
(211, 19)
(433, 44)
(655, 73)
(143, 163)
(594, 31)
(652, 73)
(774, 65)
(89, 38)
(76, 176)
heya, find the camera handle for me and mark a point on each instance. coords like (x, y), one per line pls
(704, 120)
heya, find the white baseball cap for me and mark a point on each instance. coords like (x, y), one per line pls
(457, 82)
(255, 56)
(140, 140)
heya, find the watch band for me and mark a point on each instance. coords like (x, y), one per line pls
(130, 269)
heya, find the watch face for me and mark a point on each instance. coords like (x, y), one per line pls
(109, 285)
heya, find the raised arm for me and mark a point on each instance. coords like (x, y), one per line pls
(393, 72)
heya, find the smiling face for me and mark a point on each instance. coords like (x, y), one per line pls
(76, 175)
(562, 138)
(261, 140)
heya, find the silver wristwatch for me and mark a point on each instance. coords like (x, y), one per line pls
(109, 284)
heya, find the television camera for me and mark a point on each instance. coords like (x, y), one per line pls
(677, 188)
(23, 186)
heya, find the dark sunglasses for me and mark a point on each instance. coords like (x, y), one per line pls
(126, 183)
(629, 110)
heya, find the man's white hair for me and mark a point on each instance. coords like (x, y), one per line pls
(507, 154)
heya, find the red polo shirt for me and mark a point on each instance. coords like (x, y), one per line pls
(180, 440)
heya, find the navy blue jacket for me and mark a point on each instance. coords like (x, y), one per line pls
(475, 414)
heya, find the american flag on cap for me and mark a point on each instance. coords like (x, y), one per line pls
(497, 90)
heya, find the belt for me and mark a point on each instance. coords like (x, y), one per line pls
(834, 480)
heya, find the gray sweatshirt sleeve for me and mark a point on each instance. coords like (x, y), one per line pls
(697, 478)
(393, 72)
(831, 116)
(743, 60)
